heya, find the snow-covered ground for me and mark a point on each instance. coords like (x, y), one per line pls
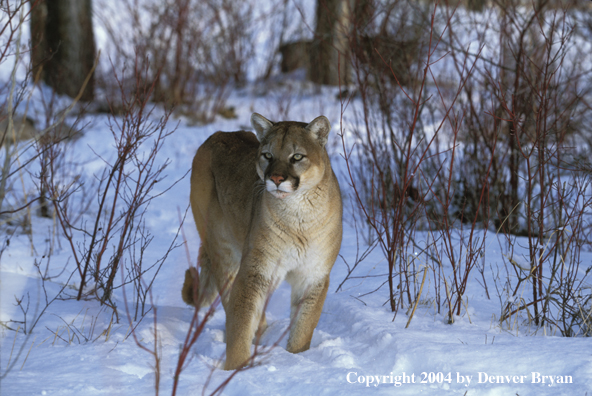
(357, 348)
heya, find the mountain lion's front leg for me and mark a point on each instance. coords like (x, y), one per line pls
(243, 315)
(307, 305)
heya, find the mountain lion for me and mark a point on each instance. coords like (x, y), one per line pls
(267, 208)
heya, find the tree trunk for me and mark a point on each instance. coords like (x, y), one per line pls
(63, 52)
(330, 49)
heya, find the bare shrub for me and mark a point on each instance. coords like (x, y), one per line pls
(13, 125)
(526, 110)
(481, 140)
(192, 50)
(23, 141)
(541, 98)
(124, 190)
(396, 163)
(22, 138)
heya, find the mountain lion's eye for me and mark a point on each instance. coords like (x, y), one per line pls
(267, 156)
(297, 157)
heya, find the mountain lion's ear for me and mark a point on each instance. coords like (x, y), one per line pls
(261, 125)
(319, 128)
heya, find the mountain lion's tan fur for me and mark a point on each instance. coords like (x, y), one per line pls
(267, 208)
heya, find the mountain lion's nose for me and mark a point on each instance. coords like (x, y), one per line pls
(277, 179)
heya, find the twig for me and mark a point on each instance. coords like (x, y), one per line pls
(425, 271)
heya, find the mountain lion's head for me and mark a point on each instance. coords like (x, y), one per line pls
(292, 156)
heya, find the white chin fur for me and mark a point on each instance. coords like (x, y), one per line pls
(279, 194)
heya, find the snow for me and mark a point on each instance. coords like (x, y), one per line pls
(356, 344)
